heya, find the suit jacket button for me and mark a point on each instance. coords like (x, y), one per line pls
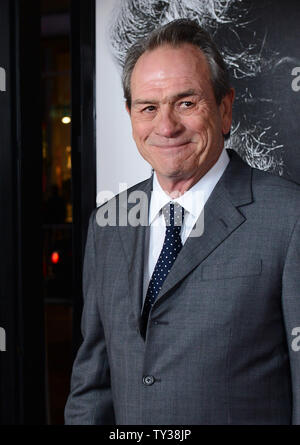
(148, 380)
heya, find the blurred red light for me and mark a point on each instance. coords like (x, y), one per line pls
(55, 257)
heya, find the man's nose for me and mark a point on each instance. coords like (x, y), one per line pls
(167, 123)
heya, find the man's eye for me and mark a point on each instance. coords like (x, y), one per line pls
(186, 104)
(149, 109)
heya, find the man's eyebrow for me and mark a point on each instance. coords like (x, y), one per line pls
(144, 101)
(175, 97)
(185, 94)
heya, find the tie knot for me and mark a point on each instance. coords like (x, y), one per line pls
(173, 214)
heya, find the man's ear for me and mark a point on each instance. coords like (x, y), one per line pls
(127, 108)
(226, 111)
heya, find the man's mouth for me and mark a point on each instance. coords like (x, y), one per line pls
(171, 145)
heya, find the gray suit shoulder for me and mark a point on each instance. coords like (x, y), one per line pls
(283, 192)
(268, 179)
(140, 186)
(143, 185)
(112, 205)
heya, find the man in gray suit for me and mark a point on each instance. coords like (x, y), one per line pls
(183, 326)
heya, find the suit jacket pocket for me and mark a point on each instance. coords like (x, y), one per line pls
(231, 269)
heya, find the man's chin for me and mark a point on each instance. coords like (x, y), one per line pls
(171, 174)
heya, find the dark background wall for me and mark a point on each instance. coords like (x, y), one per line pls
(8, 320)
(268, 102)
(24, 390)
(21, 315)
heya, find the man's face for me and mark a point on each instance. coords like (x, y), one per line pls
(177, 125)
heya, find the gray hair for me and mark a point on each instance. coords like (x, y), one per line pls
(176, 33)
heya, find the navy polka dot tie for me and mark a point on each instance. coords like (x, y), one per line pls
(172, 245)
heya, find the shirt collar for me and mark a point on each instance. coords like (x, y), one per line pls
(194, 199)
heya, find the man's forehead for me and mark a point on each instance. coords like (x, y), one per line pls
(170, 71)
(171, 54)
(166, 64)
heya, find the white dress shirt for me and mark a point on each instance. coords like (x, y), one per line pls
(192, 201)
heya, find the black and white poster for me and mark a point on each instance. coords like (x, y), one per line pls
(260, 44)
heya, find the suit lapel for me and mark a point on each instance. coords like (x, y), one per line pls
(133, 240)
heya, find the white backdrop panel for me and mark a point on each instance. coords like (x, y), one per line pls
(118, 160)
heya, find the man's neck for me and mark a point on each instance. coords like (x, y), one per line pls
(177, 186)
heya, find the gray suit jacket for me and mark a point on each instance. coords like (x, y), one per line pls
(220, 346)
